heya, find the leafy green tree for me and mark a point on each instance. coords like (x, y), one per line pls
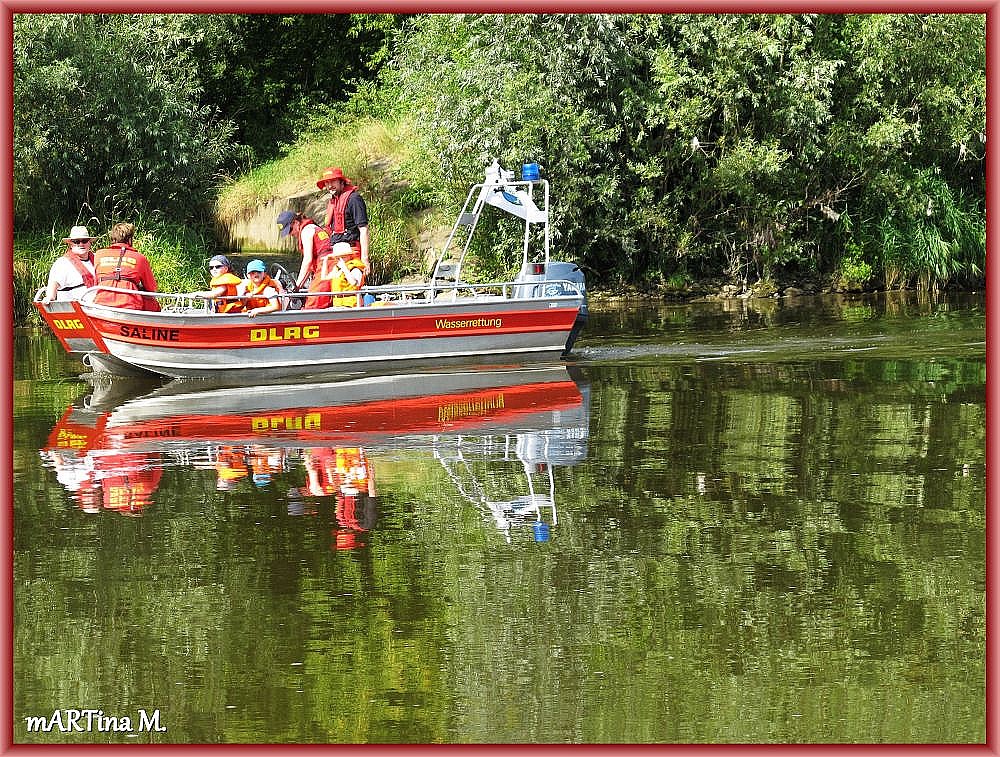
(115, 113)
(918, 141)
(107, 114)
(274, 75)
(523, 88)
(752, 146)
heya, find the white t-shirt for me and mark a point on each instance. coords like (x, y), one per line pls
(64, 273)
(307, 235)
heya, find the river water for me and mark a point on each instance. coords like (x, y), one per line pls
(719, 522)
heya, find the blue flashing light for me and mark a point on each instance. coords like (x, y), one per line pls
(529, 172)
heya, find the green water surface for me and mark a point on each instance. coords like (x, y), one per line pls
(767, 525)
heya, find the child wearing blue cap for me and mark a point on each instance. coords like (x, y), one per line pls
(260, 290)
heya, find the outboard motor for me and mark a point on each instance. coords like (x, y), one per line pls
(541, 280)
(561, 271)
(280, 274)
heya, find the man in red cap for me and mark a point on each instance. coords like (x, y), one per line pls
(346, 213)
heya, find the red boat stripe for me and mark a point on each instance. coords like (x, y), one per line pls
(221, 335)
(71, 325)
(452, 413)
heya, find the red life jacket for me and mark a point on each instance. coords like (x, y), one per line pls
(85, 274)
(321, 242)
(339, 205)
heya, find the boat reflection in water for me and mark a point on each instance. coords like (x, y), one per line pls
(110, 448)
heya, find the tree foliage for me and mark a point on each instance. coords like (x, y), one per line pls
(274, 75)
(149, 112)
(107, 110)
(745, 145)
(752, 147)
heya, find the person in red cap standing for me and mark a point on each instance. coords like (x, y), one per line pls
(346, 213)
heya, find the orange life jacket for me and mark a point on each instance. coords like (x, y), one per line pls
(230, 281)
(253, 292)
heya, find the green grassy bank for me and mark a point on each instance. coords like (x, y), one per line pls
(378, 158)
(404, 220)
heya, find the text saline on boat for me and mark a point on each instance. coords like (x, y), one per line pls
(538, 314)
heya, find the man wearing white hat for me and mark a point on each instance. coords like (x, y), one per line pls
(73, 273)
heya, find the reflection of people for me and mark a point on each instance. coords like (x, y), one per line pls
(264, 462)
(298, 505)
(231, 467)
(128, 480)
(346, 213)
(321, 472)
(75, 471)
(355, 500)
(225, 284)
(121, 266)
(73, 273)
(345, 474)
(355, 515)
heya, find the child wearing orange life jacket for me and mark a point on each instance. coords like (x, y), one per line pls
(259, 290)
(225, 287)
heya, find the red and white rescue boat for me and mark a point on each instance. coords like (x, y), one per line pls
(539, 313)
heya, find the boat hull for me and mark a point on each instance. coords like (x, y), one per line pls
(300, 342)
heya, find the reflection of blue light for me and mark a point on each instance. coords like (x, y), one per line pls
(511, 198)
(541, 530)
(529, 172)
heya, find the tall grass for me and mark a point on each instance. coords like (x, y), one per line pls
(378, 158)
(942, 237)
(33, 256)
(366, 151)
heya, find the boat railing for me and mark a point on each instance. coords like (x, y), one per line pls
(371, 296)
(170, 302)
(441, 291)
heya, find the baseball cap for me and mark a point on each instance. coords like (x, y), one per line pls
(285, 219)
